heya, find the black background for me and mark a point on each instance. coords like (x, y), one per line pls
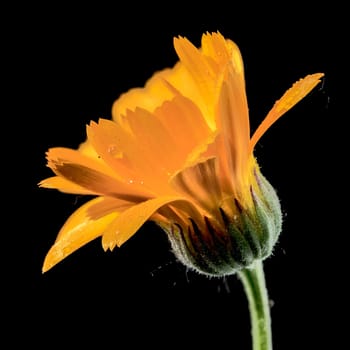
(66, 67)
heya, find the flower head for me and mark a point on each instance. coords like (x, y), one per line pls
(178, 152)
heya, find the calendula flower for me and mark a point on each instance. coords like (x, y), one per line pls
(178, 152)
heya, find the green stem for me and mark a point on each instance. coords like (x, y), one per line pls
(253, 280)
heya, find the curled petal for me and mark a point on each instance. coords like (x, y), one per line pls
(100, 183)
(93, 176)
(78, 230)
(194, 182)
(60, 155)
(63, 185)
(291, 97)
(125, 225)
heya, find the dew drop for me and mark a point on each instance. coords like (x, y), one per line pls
(114, 151)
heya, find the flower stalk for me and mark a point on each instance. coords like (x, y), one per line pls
(253, 280)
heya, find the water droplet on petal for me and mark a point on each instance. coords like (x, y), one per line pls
(112, 148)
(114, 151)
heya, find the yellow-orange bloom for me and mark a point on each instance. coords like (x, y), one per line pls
(178, 152)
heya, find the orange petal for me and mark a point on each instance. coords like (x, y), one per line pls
(184, 123)
(202, 151)
(196, 64)
(233, 124)
(150, 97)
(100, 183)
(200, 184)
(87, 149)
(155, 142)
(67, 155)
(127, 224)
(203, 89)
(63, 185)
(107, 205)
(96, 177)
(215, 46)
(78, 230)
(170, 134)
(291, 97)
(222, 51)
(110, 141)
(224, 172)
(134, 157)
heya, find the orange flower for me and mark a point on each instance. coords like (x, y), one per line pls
(177, 152)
